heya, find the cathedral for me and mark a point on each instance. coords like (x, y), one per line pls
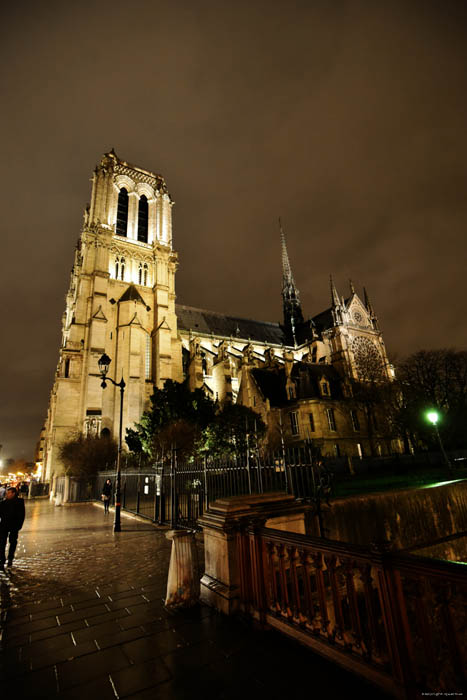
(121, 301)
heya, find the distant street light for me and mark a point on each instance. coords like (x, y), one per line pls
(433, 417)
(104, 364)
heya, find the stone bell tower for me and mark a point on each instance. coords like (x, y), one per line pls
(121, 301)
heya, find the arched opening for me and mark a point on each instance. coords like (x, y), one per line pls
(105, 433)
(143, 219)
(122, 268)
(122, 213)
(140, 273)
(145, 271)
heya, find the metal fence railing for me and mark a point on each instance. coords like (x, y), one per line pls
(178, 492)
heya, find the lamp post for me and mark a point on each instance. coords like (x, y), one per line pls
(103, 365)
(433, 417)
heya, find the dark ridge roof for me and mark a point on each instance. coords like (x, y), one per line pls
(324, 320)
(132, 294)
(306, 377)
(203, 321)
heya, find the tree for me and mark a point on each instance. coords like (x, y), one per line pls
(233, 429)
(176, 418)
(84, 455)
(434, 379)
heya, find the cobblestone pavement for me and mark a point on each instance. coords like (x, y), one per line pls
(65, 549)
(83, 617)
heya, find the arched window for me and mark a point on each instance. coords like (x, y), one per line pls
(140, 273)
(122, 268)
(143, 219)
(117, 267)
(122, 212)
(147, 363)
(145, 274)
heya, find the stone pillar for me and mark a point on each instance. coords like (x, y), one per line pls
(182, 582)
(222, 527)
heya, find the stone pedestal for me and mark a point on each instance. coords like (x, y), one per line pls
(182, 582)
(222, 524)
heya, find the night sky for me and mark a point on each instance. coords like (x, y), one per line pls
(347, 119)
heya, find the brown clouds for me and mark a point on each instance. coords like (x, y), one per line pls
(345, 118)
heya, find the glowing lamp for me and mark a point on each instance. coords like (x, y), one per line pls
(433, 417)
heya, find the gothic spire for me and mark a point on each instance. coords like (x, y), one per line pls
(293, 315)
(335, 301)
(369, 308)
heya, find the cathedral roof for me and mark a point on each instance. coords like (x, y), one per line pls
(207, 322)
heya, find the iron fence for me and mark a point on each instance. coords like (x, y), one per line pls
(179, 492)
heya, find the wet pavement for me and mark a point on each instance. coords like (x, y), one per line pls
(82, 615)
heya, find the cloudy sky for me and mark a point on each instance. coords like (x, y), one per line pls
(346, 118)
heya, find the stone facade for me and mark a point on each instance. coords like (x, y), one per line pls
(121, 301)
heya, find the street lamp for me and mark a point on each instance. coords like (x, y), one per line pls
(433, 417)
(103, 365)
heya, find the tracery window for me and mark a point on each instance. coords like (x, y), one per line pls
(119, 267)
(140, 273)
(122, 213)
(145, 274)
(143, 219)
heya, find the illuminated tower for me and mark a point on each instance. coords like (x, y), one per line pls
(121, 301)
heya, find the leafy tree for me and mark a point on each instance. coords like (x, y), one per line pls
(233, 429)
(84, 455)
(176, 417)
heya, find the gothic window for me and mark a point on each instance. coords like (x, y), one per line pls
(331, 419)
(294, 422)
(143, 219)
(367, 359)
(117, 267)
(122, 213)
(148, 357)
(145, 274)
(122, 268)
(312, 423)
(92, 423)
(355, 421)
(140, 273)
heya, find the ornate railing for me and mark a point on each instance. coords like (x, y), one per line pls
(398, 620)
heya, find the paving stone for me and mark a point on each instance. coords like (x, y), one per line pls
(136, 678)
(38, 684)
(60, 654)
(152, 646)
(83, 635)
(100, 688)
(84, 669)
(111, 640)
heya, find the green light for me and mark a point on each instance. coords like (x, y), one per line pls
(433, 417)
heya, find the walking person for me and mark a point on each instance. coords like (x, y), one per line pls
(106, 495)
(11, 521)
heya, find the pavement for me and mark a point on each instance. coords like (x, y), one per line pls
(82, 616)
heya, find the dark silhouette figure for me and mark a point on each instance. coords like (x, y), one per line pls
(11, 521)
(106, 495)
